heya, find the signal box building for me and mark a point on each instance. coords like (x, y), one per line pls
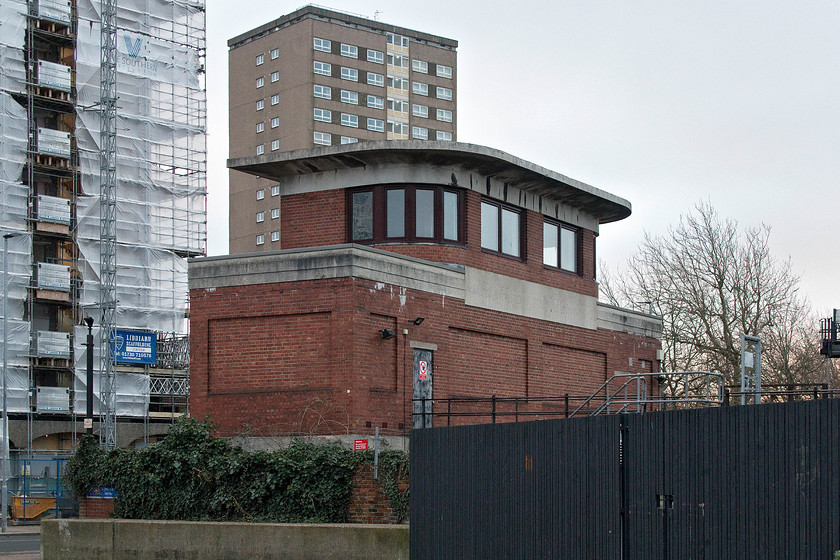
(403, 270)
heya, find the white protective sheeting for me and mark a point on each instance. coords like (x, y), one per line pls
(12, 37)
(161, 170)
(17, 355)
(18, 269)
(18, 359)
(132, 388)
(14, 195)
(161, 177)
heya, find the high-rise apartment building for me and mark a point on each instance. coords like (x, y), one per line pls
(51, 162)
(317, 77)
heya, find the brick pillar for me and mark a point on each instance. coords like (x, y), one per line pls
(96, 508)
(368, 501)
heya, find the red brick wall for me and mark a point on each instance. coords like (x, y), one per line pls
(368, 501)
(263, 358)
(317, 219)
(313, 219)
(486, 364)
(279, 374)
(285, 351)
(96, 508)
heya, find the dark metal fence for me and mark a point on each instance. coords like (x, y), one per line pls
(745, 482)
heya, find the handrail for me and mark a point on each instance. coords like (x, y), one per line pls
(614, 396)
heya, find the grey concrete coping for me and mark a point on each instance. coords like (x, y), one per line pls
(116, 539)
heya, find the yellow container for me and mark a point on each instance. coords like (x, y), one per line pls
(26, 508)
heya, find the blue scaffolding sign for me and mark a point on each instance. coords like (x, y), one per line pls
(134, 347)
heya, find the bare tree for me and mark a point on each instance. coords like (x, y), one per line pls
(711, 281)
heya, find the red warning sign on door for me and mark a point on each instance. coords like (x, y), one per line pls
(424, 372)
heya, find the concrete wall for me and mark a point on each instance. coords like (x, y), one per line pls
(127, 432)
(76, 539)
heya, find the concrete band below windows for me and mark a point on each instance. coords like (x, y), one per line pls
(477, 288)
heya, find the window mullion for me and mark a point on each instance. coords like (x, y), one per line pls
(501, 229)
(410, 214)
(438, 214)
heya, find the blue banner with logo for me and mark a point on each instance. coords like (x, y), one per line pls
(134, 347)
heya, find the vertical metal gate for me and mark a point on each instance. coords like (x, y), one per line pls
(748, 482)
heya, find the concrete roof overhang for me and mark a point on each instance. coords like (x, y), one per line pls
(489, 162)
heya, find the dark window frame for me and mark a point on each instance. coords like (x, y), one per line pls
(578, 246)
(380, 220)
(516, 210)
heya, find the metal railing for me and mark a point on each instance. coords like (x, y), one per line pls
(36, 489)
(784, 392)
(622, 393)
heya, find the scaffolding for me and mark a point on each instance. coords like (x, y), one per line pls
(50, 168)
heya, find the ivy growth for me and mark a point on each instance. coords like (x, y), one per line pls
(393, 476)
(192, 475)
(86, 468)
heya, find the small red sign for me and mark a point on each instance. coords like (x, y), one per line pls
(360, 445)
(423, 371)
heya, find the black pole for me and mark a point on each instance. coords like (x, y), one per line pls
(89, 344)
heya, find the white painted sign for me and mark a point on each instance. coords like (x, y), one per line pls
(55, 10)
(53, 142)
(52, 399)
(424, 370)
(53, 344)
(749, 359)
(56, 76)
(53, 277)
(53, 209)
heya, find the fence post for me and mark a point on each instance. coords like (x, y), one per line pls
(566, 399)
(423, 413)
(448, 412)
(516, 409)
(494, 409)
(725, 397)
(57, 489)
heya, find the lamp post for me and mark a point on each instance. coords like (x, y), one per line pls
(89, 344)
(4, 502)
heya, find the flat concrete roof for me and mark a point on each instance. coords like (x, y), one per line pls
(489, 162)
(337, 17)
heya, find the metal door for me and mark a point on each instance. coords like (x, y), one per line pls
(422, 381)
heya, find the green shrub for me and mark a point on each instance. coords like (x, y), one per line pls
(86, 468)
(192, 475)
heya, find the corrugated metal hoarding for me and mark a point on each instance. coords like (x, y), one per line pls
(745, 482)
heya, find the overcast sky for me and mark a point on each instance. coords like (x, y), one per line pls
(664, 103)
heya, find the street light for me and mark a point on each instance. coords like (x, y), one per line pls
(89, 344)
(4, 503)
